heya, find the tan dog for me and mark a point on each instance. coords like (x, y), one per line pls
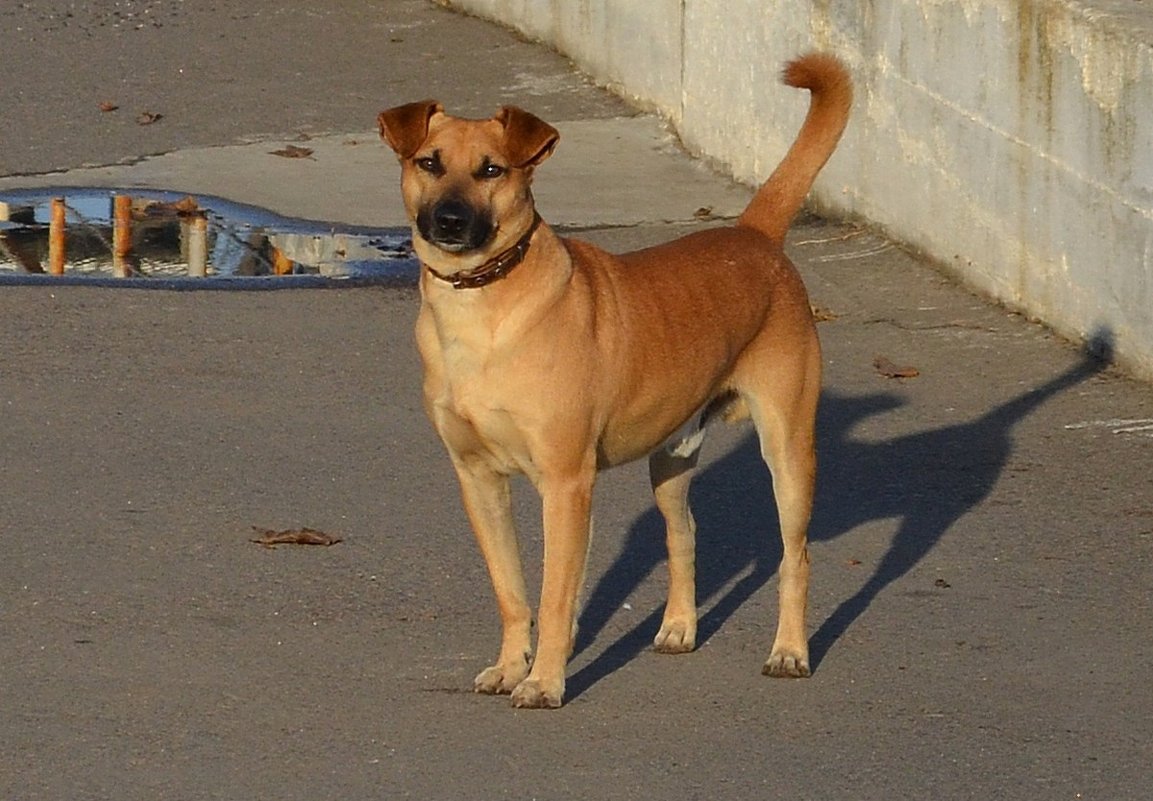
(552, 358)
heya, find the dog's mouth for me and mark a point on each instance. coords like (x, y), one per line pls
(454, 226)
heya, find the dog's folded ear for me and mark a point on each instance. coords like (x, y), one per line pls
(406, 127)
(529, 140)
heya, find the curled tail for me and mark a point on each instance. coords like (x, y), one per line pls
(777, 202)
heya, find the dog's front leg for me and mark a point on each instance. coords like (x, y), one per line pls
(567, 505)
(487, 502)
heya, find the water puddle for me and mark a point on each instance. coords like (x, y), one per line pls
(142, 237)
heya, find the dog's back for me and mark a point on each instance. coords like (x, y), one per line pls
(738, 274)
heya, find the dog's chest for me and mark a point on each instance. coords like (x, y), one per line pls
(474, 404)
(475, 425)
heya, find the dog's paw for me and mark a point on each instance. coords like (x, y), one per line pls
(500, 679)
(784, 664)
(676, 637)
(535, 694)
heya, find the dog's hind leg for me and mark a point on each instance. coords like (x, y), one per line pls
(782, 401)
(670, 471)
(487, 501)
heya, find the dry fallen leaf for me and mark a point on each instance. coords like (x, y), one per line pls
(108, 105)
(292, 536)
(293, 152)
(890, 370)
(823, 315)
(147, 117)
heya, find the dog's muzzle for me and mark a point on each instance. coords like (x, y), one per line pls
(454, 225)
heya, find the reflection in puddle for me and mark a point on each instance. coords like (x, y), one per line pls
(138, 236)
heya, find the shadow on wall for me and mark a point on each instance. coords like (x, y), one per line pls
(926, 480)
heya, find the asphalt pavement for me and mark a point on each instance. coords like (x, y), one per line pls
(982, 594)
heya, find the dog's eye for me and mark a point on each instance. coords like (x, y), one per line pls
(430, 164)
(491, 171)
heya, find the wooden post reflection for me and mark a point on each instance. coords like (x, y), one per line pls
(56, 252)
(121, 236)
(198, 245)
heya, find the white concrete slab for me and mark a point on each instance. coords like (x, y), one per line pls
(1011, 141)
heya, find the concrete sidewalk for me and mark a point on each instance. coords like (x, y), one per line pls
(614, 171)
(981, 605)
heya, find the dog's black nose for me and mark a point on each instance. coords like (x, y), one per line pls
(454, 225)
(452, 218)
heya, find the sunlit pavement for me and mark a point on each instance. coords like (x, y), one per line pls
(980, 606)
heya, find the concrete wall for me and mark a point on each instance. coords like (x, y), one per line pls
(1011, 140)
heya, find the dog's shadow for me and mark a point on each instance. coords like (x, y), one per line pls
(925, 480)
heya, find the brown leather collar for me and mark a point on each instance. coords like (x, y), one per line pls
(495, 268)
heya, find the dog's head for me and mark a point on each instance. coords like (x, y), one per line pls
(466, 182)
